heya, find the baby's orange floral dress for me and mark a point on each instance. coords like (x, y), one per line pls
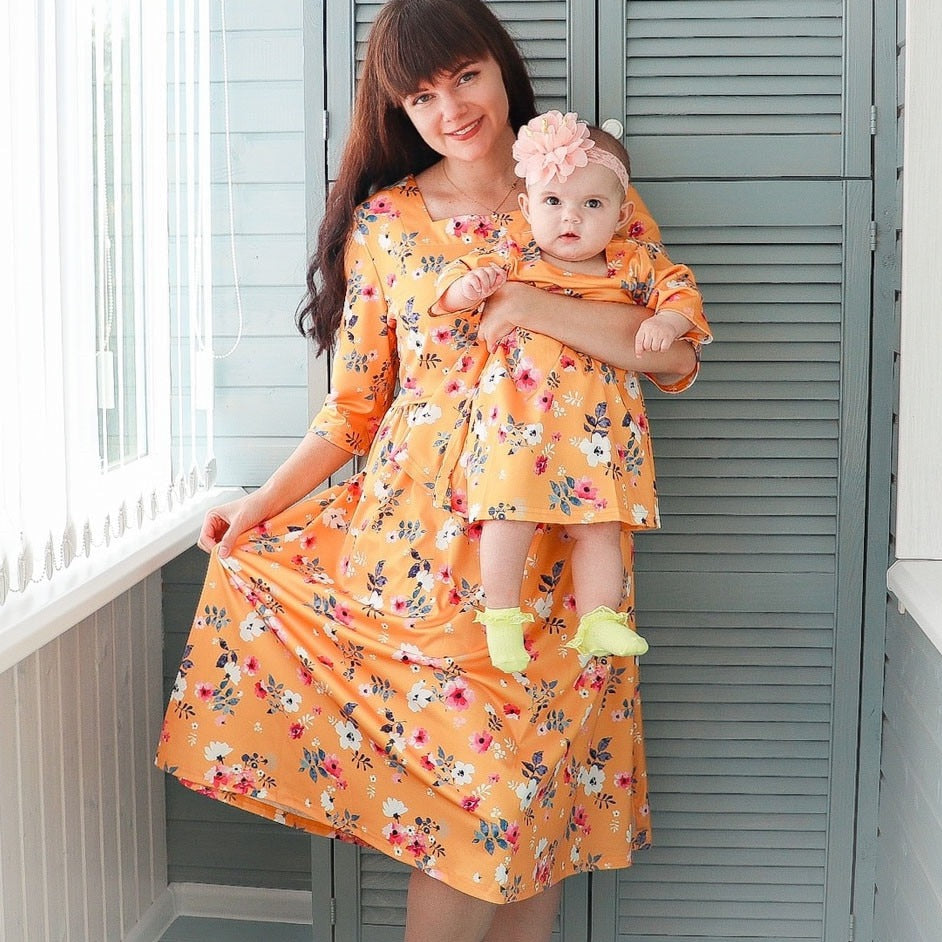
(334, 679)
(539, 431)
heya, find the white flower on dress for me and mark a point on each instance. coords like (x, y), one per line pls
(639, 513)
(532, 433)
(419, 697)
(394, 808)
(526, 792)
(462, 773)
(501, 875)
(290, 701)
(415, 341)
(179, 688)
(251, 627)
(350, 736)
(425, 414)
(597, 450)
(492, 376)
(543, 606)
(449, 531)
(327, 802)
(592, 779)
(234, 673)
(632, 386)
(217, 751)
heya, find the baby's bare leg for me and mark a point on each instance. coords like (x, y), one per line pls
(597, 568)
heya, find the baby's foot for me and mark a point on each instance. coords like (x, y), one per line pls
(503, 629)
(603, 632)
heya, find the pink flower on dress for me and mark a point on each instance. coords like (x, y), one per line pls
(395, 833)
(459, 501)
(454, 387)
(427, 762)
(545, 401)
(296, 730)
(473, 531)
(251, 665)
(304, 675)
(585, 489)
(333, 767)
(526, 377)
(379, 205)
(580, 818)
(442, 335)
(540, 465)
(569, 602)
(625, 780)
(369, 293)
(418, 846)
(458, 695)
(400, 605)
(260, 691)
(481, 742)
(470, 802)
(465, 364)
(636, 229)
(205, 691)
(567, 363)
(511, 709)
(419, 737)
(342, 614)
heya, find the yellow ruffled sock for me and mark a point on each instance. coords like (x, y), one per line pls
(603, 632)
(503, 629)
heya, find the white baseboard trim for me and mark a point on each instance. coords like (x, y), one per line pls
(155, 921)
(243, 902)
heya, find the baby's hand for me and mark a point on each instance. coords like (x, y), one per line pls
(480, 283)
(659, 331)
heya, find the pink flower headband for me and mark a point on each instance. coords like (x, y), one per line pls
(553, 145)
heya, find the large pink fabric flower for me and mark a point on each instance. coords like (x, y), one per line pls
(551, 145)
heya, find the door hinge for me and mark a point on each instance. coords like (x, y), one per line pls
(873, 235)
(326, 125)
(333, 911)
(850, 928)
(873, 120)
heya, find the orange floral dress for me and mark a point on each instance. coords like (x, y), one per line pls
(334, 679)
(542, 432)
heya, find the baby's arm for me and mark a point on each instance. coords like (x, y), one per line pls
(660, 330)
(468, 291)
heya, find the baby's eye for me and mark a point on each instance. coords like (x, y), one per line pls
(593, 204)
(551, 201)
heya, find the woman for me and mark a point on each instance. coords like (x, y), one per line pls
(334, 679)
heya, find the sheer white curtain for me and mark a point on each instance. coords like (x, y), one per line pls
(105, 386)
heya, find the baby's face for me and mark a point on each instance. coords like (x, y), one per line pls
(575, 220)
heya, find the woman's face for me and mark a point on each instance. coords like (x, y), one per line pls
(464, 114)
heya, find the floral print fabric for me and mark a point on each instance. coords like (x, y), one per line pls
(334, 679)
(542, 432)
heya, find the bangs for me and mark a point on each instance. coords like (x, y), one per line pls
(427, 47)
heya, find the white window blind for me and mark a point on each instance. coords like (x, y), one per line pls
(106, 386)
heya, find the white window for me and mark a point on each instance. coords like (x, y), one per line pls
(106, 386)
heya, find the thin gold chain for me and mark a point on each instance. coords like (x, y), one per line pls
(473, 199)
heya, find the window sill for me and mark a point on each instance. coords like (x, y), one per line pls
(917, 585)
(51, 608)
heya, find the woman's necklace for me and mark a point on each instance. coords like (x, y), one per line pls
(473, 199)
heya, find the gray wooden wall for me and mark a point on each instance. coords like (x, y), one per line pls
(82, 853)
(909, 859)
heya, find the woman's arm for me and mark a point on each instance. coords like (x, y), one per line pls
(305, 469)
(601, 329)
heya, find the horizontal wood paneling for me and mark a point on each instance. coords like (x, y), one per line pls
(909, 860)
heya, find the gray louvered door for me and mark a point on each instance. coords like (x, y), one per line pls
(748, 123)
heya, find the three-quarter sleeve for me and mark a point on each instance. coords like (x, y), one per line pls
(365, 360)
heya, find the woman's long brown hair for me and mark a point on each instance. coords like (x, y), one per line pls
(411, 42)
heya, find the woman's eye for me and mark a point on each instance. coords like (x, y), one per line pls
(466, 77)
(420, 99)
